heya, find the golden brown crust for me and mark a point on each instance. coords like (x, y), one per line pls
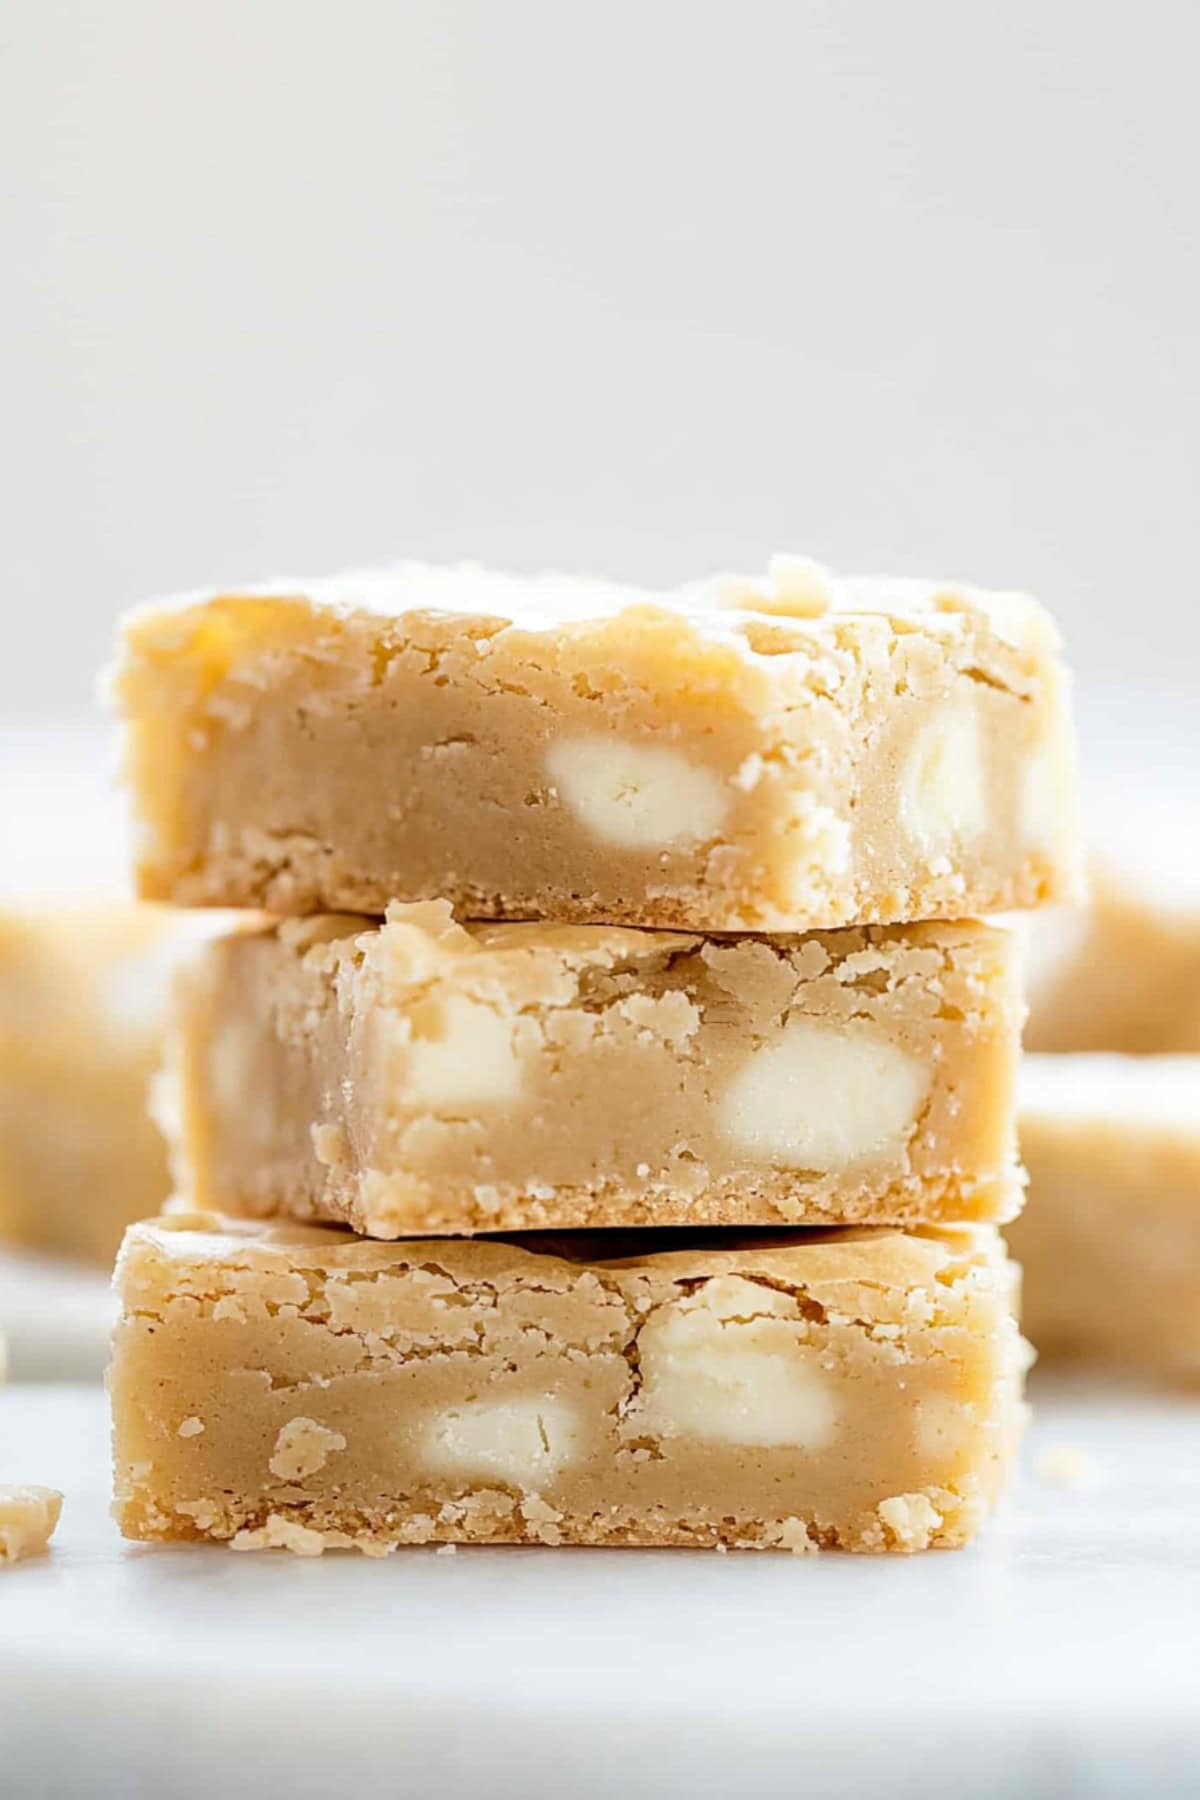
(880, 1256)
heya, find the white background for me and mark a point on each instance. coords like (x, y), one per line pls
(644, 286)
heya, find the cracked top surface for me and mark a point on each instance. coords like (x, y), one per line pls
(426, 942)
(795, 600)
(878, 1258)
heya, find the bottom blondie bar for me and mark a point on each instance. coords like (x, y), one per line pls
(298, 1386)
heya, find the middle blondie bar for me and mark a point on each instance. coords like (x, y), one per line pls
(419, 1076)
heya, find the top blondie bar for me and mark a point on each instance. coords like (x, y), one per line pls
(785, 753)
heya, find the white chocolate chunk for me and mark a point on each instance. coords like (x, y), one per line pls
(820, 1097)
(800, 587)
(911, 1519)
(471, 1063)
(727, 1365)
(331, 1145)
(523, 1441)
(639, 797)
(302, 1447)
(943, 801)
(28, 1516)
(281, 1533)
(793, 1534)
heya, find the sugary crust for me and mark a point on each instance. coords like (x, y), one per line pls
(887, 1262)
(792, 603)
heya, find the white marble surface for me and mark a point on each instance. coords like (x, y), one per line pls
(1060, 1656)
(56, 1317)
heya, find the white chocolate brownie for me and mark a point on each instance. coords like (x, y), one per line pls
(421, 1077)
(298, 1386)
(1110, 1242)
(1121, 975)
(781, 754)
(83, 1004)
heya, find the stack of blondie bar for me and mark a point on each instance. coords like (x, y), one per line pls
(604, 1141)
